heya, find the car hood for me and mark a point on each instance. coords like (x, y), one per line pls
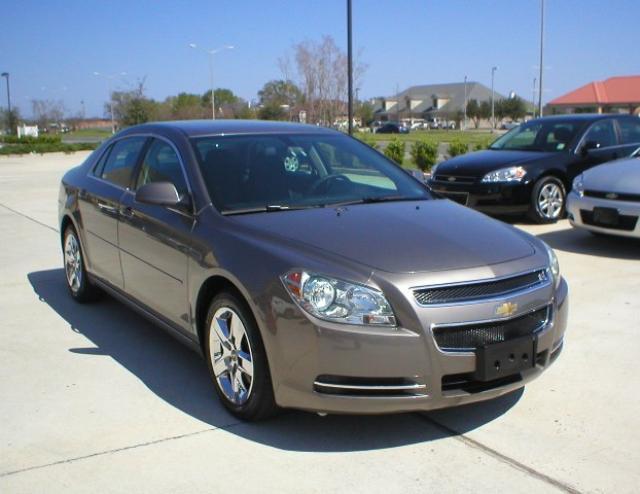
(398, 237)
(480, 163)
(619, 176)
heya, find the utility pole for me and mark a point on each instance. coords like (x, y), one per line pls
(9, 115)
(541, 57)
(349, 69)
(465, 102)
(493, 97)
(533, 99)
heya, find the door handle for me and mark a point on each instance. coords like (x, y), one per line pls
(107, 208)
(127, 212)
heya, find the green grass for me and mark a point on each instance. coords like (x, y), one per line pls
(102, 133)
(9, 149)
(472, 137)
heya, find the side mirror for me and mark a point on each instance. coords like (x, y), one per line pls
(162, 194)
(588, 146)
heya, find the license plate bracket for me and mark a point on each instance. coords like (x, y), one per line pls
(606, 216)
(504, 359)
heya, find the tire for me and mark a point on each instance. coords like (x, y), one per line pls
(237, 360)
(548, 200)
(78, 283)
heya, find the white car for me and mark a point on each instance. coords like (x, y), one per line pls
(606, 199)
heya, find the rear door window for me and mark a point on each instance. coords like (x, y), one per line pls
(602, 133)
(121, 161)
(629, 131)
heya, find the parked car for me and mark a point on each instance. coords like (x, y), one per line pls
(392, 128)
(530, 168)
(509, 125)
(273, 250)
(606, 198)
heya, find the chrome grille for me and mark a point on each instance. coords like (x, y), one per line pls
(479, 290)
(468, 337)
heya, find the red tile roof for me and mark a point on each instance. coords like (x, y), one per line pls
(615, 90)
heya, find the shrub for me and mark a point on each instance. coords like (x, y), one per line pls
(41, 148)
(482, 145)
(368, 140)
(457, 147)
(395, 151)
(44, 139)
(424, 154)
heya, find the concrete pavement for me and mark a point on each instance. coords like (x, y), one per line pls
(95, 398)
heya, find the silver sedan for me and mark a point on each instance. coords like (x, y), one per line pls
(606, 199)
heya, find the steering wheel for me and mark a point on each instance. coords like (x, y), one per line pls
(325, 181)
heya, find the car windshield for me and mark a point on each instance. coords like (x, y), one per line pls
(273, 172)
(539, 135)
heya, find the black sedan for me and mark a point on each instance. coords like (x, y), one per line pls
(531, 168)
(392, 128)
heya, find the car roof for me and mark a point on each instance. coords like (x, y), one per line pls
(580, 117)
(194, 128)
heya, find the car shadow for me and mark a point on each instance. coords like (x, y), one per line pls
(583, 242)
(179, 376)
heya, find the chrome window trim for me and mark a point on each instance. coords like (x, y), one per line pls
(145, 135)
(476, 300)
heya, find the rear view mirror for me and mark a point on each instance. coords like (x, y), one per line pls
(162, 194)
(588, 146)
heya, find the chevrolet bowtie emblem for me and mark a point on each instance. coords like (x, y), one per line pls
(611, 195)
(506, 309)
(452, 179)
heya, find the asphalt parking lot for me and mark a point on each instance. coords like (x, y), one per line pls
(96, 398)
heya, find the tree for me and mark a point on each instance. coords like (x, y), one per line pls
(186, 106)
(485, 110)
(514, 108)
(473, 112)
(47, 111)
(280, 92)
(222, 97)
(322, 68)
(132, 107)
(272, 112)
(8, 120)
(364, 111)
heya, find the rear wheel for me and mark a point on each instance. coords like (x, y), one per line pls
(78, 283)
(237, 360)
(547, 200)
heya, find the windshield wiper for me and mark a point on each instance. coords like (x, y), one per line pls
(269, 208)
(375, 199)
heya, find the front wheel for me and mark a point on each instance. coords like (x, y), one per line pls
(237, 360)
(547, 200)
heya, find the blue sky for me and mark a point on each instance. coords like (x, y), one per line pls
(51, 48)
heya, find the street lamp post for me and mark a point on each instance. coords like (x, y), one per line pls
(541, 57)
(465, 102)
(349, 70)
(211, 53)
(493, 97)
(533, 99)
(109, 78)
(9, 115)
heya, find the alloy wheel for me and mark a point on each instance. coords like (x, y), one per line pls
(231, 355)
(73, 262)
(550, 201)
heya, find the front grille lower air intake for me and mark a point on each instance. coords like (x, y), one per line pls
(478, 290)
(470, 336)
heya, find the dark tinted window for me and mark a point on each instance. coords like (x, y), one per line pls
(539, 135)
(161, 164)
(603, 133)
(630, 130)
(121, 161)
(258, 171)
(99, 167)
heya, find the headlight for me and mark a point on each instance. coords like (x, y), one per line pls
(554, 265)
(511, 174)
(578, 185)
(338, 301)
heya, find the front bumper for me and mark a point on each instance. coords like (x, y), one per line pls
(577, 207)
(406, 362)
(491, 198)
